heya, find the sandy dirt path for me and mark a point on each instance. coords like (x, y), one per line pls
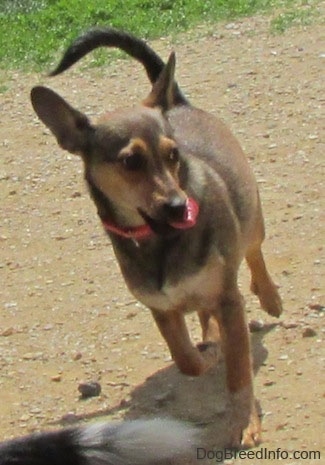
(66, 315)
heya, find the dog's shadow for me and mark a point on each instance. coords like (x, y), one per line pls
(200, 401)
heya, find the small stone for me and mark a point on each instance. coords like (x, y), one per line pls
(10, 305)
(56, 378)
(309, 332)
(269, 383)
(124, 403)
(256, 325)
(89, 389)
(69, 418)
(77, 356)
(289, 324)
(35, 411)
(131, 315)
(281, 426)
(76, 194)
(8, 332)
(33, 356)
(318, 307)
(164, 398)
(48, 327)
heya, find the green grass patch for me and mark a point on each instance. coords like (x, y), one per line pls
(34, 32)
(294, 18)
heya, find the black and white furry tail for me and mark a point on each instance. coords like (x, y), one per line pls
(145, 442)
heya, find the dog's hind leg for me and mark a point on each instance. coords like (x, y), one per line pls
(173, 328)
(210, 327)
(261, 283)
(210, 345)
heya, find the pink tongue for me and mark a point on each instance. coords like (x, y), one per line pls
(190, 215)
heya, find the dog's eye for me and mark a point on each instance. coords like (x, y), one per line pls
(174, 155)
(133, 162)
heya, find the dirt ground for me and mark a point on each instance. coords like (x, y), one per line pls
(66, 316)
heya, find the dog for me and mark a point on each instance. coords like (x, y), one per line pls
(137, 442)
(180, 203)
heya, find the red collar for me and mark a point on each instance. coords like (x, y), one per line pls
(145, 232)
(139, 232)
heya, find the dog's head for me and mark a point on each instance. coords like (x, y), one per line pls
(132, 162)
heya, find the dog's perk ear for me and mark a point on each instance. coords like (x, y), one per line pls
(70, 127)
(163, 92)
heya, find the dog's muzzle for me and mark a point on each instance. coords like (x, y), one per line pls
(176, 216)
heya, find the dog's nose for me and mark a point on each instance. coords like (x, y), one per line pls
(175, 208)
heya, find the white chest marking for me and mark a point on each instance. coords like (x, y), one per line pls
(195, 292)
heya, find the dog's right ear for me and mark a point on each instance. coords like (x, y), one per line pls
(70, 127)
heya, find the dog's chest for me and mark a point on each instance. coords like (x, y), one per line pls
(196, 291)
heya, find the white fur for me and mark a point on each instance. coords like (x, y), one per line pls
(136, 442)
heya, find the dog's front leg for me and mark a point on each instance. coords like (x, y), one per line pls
(173, 329)
(245, 423)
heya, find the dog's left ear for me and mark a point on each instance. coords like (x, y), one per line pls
(163, 92)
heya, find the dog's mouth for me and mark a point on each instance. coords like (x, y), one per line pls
(163, 226)
(171, 226)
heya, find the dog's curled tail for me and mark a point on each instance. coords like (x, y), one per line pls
(110, 37)
(145, 442)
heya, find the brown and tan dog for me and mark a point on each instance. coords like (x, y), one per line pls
(180, 203)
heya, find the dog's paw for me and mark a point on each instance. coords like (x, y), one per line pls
(272, 303)
(269, 298)
(248, 437)
(251, 436)
(244, 420)
(211, 353)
